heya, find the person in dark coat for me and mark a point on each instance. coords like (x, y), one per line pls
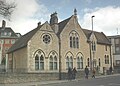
(74, 71)
(93, 73)
(69, 73)
(110, 69)
(86, 72)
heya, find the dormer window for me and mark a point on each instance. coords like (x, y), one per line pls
(5, 33)
(10, 33)
(93, 46)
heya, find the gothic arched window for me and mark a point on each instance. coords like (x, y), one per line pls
(69, 61)
(39, 61)
(74, 39)
(53, 61)
(79, 61)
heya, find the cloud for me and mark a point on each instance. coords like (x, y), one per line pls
(26, 15)
(88, 1)
(106, 19)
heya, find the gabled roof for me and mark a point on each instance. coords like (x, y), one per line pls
(100, 36)
(22, 42)
(7, 30)
(62, 24)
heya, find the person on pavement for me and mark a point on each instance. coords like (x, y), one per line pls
(93, 73)
(86, 72)
(69, 73)
(74, 71)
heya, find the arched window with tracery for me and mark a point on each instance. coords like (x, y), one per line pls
(53, 61)
(79, 61)
(74, 39)
(69, 61)
(39, 60)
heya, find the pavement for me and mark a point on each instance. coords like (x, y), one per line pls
(50, 82)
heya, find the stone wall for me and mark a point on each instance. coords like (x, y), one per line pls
(26, 77)
(34, 77)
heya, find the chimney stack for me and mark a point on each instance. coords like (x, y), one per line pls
(54, 22)
(3, 24)
(54, 19)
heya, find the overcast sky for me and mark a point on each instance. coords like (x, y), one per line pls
(29, 12)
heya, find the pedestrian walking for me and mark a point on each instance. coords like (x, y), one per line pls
(93, 73)
(74, 71)
(110, 69)
(86, 72)
(69, 73)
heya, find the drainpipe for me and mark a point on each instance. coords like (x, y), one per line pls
(12, 62)
(59, 58)
(111, 56)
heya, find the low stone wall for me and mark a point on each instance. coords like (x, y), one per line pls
(26, 77)
(34, 77)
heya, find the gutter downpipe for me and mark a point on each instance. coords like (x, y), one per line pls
(59, 57)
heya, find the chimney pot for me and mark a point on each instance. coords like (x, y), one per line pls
(39, 23)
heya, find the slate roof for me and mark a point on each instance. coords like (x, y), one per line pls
(115, 36)
(62, 25)
(100, 36)
(22, 42)
(7, 30)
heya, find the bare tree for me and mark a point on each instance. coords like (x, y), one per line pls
(6, 9)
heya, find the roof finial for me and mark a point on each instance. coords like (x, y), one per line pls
(75, 12)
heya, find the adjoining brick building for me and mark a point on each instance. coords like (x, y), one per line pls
(56, 46)
(7, 39)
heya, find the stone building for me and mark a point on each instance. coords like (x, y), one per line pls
(56, 46)
(115, 41)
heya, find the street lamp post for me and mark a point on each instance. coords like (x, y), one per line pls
(92, 21)
(91, 47)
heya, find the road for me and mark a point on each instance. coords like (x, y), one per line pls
(104, 81)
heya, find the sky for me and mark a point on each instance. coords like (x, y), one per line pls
(28, 13)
